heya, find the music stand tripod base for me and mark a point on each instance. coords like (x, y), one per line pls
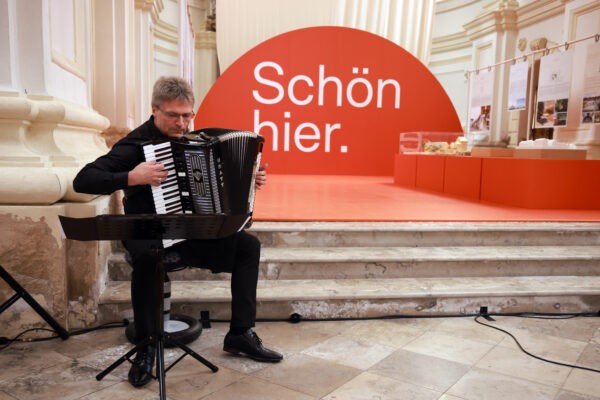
(155, 227)
(159, 340)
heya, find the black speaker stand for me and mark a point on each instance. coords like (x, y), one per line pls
(20, 292)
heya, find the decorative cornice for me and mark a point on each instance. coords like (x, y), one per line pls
(539, 10)
(154, 7)
(25, 185)
(492, 22)
(497, 17)
(455, 41)
(165, 31)
(498, 5)
(44, 143)
(16, 106)
(166, 51)
(442, 6)
(51, 110)
(453, 61)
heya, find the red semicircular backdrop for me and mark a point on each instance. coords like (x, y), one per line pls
(328, 100)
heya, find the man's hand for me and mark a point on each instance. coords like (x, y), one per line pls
(261, 176)
(147, 173)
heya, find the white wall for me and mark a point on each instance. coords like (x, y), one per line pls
(465, 38)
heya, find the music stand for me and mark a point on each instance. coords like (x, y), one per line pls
(147, 227)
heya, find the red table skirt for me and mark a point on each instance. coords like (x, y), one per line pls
(521, 182)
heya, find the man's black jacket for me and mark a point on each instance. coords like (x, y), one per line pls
(109, 172)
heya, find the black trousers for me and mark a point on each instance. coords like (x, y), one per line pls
(238, 254)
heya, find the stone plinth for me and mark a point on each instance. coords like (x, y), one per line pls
(63, 276)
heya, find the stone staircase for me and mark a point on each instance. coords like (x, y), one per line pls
(345, 270)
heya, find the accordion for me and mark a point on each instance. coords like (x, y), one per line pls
(211, 171)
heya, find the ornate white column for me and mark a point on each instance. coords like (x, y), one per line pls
(206, 64)
(113, 72)
(47, 129)
(145, 16)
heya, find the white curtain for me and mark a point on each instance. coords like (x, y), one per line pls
(243, 24)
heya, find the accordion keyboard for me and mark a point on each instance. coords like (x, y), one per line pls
(166, 197)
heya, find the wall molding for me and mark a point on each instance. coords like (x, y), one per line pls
(538, 11)
(455, 41)
(77, 64)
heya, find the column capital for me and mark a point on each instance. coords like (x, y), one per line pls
(492, 21)
(206, 40)
(154, 7)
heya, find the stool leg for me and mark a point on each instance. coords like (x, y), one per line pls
(167, 299)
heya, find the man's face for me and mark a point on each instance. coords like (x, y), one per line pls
(173, 117)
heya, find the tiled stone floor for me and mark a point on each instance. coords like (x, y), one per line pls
(435, 358)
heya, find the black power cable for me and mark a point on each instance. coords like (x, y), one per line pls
(296, 318)
(531, 354)
(5, 342)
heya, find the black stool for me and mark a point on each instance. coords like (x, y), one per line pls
(183, 328)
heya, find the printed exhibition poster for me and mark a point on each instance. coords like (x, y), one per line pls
(554, 85)
(517, 89)
(481, 101)
(590, 110)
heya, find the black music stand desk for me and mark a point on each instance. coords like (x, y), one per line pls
(147, 227)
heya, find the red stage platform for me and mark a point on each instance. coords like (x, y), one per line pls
(520, 182)
(378, 198)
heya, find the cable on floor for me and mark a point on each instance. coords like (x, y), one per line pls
(530, 354)
(296, 318)
(5, 342)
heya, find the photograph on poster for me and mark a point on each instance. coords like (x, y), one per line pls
(590, 112)
(517, 104)
(481, 100)
(517, 90)
(551, 113)
(562, 105)
(560, 119)
(480, 118)
(544, 114)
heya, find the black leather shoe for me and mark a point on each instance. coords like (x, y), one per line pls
(141, 370)
(249, 343)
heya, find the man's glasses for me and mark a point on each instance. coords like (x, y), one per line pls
(174, 115)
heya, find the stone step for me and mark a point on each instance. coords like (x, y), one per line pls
(370, 234)
(422, 234)
(397, 262)
(347, 270)
(353, 298)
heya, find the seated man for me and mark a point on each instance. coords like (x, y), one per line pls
(124, 167)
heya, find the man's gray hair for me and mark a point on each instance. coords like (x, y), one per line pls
(168, 88)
